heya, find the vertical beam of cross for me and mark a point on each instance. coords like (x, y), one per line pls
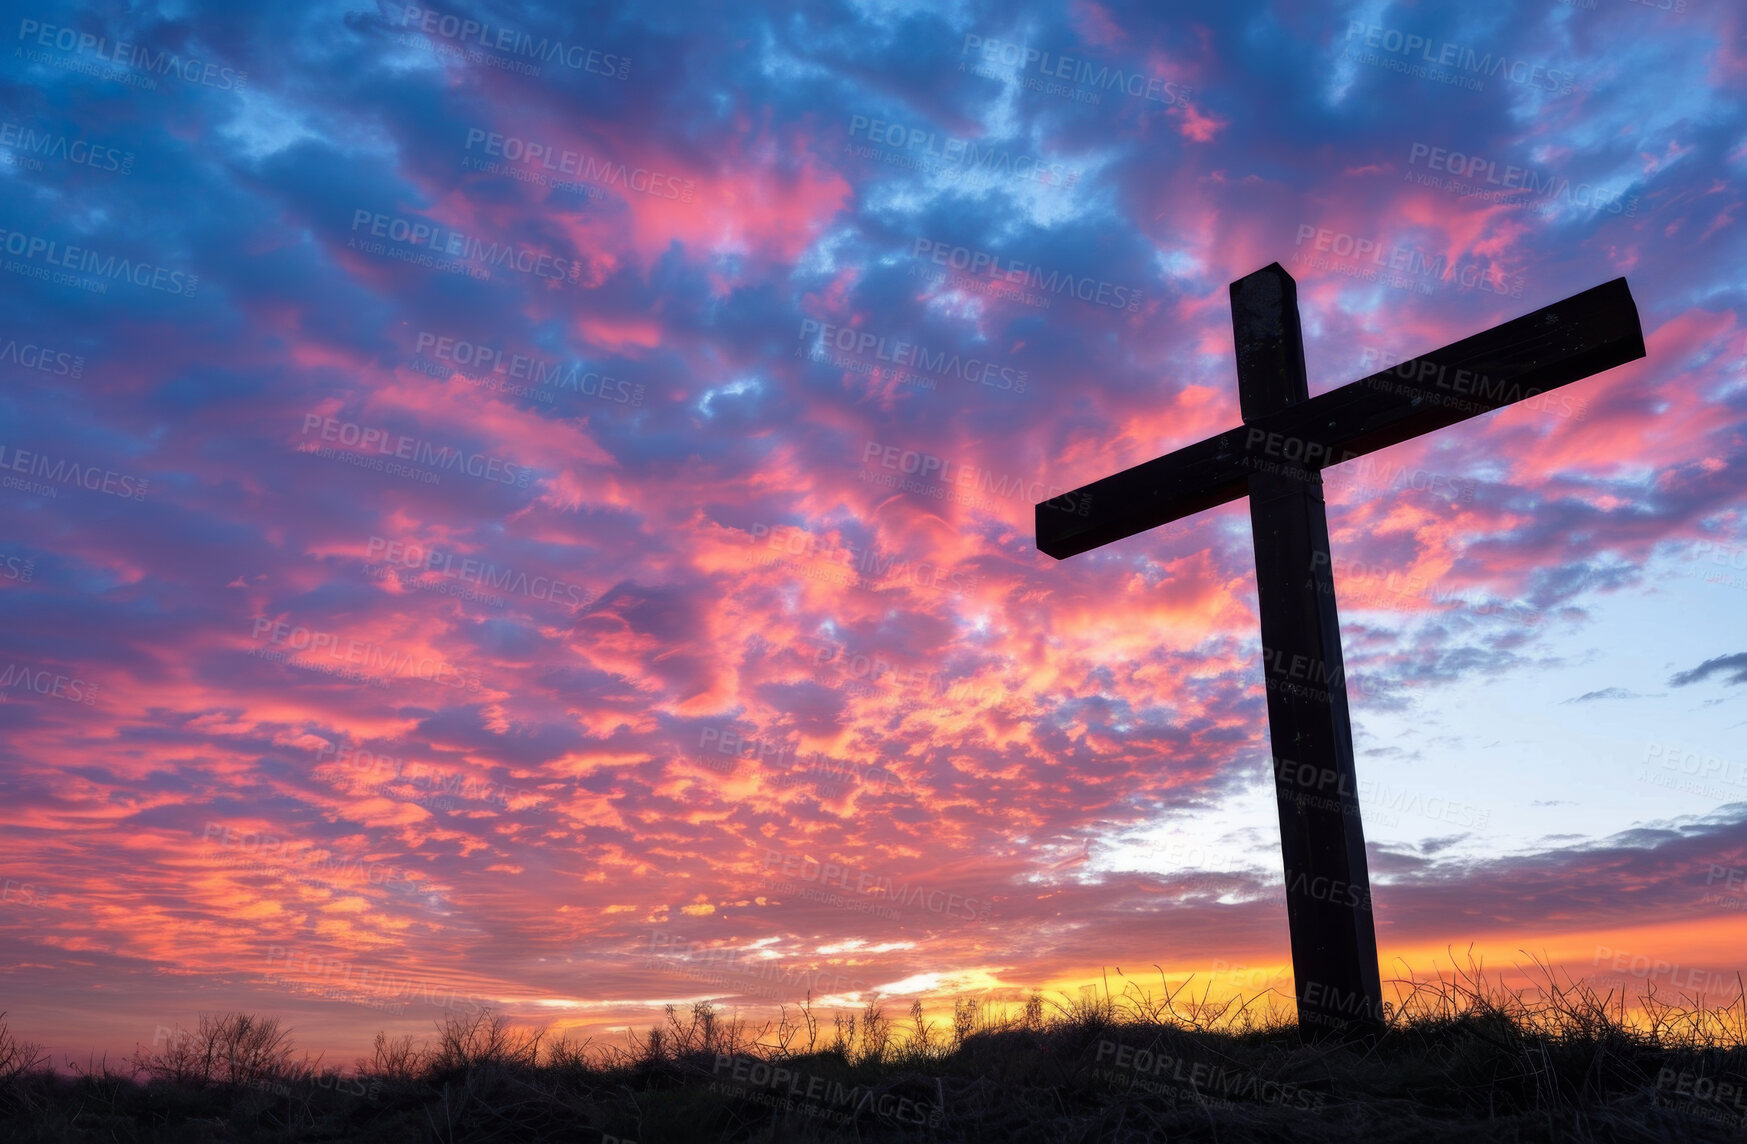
(1328, 896)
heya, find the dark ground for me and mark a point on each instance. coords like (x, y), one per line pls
(1461, 1061)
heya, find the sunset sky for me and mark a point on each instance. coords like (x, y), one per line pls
(526, 507)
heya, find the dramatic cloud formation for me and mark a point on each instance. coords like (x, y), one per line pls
(533, 506)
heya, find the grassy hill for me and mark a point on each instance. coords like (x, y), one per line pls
(1461, 1060)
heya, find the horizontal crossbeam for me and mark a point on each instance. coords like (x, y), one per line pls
(1534, 354)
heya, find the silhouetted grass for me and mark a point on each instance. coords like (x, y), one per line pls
(1463, 1058)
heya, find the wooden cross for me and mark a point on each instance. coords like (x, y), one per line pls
(1276, 457)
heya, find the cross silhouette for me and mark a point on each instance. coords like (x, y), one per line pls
(1276, 457)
